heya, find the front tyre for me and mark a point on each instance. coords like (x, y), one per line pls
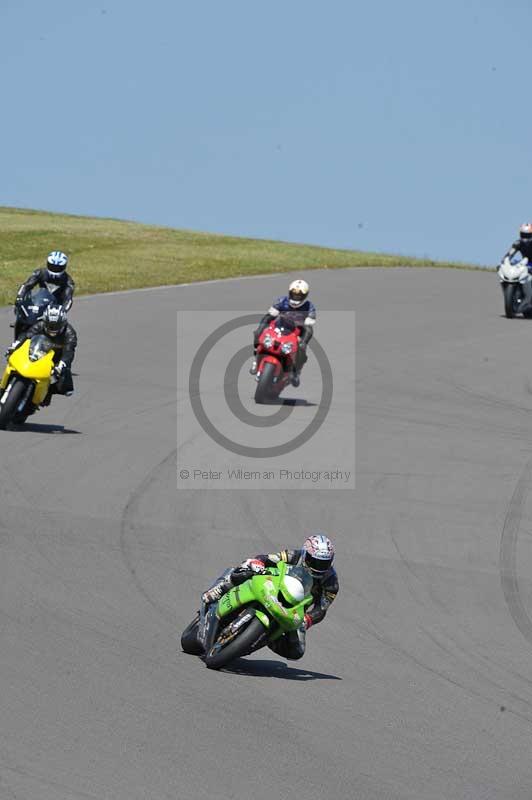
(265, 392)
(219, 655)
(189, 638)
(513, 296)
(8, 409)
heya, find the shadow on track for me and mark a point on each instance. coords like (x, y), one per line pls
(276, 669)
(290, 401)
(33, 427)
(516, 319)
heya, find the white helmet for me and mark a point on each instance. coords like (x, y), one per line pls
(298, 293)
(318, 554)
(525, 232)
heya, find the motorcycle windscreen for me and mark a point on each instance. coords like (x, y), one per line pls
(286, 324)
(299, 572)
(33, 309)
(41, 297)
(40, 346)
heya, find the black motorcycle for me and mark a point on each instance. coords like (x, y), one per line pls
(30, 309)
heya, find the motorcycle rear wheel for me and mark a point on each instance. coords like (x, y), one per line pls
(236, 648)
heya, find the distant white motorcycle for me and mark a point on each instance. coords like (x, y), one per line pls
(516, 284)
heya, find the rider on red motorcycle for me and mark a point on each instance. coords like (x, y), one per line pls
(302, 312)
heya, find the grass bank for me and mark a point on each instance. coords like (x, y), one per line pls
(109, 255)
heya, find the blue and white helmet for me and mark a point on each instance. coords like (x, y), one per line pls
(56, 262)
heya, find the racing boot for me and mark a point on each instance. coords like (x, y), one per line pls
(254, 363)
(295, 378)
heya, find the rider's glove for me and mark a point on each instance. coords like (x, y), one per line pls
(255, 565)
(11, 349)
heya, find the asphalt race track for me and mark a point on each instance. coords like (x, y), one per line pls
(419, 683)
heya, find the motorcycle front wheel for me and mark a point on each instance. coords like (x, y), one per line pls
(265, 392)
(219, 655)
(513, 298)
(9, 408)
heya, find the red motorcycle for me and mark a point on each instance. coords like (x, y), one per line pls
(276, 356)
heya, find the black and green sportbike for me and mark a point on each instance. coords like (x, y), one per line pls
(249, 616)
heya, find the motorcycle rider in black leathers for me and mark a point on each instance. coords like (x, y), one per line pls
(522, 245)
(55, 326)
(297, 307)
(53, 277)
(316, 556)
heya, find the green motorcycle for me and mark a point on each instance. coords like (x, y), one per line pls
(250, 616)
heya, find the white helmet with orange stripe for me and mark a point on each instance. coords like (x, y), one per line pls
(525, 232)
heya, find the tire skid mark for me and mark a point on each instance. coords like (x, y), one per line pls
(508, 553)
(24, 773)
(128, 524)
(450, 645)
(490, 400)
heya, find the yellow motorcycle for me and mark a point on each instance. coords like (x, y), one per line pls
(26, 380)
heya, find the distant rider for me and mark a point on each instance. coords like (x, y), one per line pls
(302, 312)
(55, 325)
(53, 277)
(523, 245)
(316, 556)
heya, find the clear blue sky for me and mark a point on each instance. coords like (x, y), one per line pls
(395, 126)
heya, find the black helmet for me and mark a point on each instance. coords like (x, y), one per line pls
(54, 320)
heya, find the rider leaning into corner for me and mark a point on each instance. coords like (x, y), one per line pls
(302, 312)
(53, 277)
(523, 245)
(316, 556)
(55, 325)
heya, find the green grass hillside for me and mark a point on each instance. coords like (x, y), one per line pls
(108, 255)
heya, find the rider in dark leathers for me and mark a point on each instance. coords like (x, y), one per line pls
(54, 325)
(53, 277)
(522, 245)
(316, 555)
